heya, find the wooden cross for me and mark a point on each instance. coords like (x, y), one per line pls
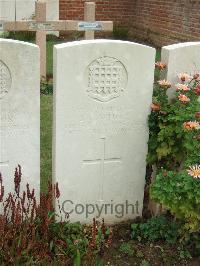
(41, 26)
(102, 161)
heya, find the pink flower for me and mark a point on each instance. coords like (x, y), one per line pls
(164, 84)
(182, 87)
(197, 90)
(197, 114)
(160, 65)
(155, 107)
(184, 77)
(183, 98)
(191, 125)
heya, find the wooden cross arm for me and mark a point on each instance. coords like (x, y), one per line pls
(32, 25)
(60, 25)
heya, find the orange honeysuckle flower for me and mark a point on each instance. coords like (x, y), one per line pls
(194, 171)
(183, 98)
(182, 87)
(164, 84)
(184, 77)
(160, 65)
(191, 125)
(155, 107)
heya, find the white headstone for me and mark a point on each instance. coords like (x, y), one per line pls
(180, 58)
(25, 10)
(19, 113)
(102, 96)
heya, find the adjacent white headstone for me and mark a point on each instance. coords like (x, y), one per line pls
(102, 96)
(181, 58)
(19, 113)
(25, 10)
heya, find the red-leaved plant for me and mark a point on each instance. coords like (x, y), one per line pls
(29, 232)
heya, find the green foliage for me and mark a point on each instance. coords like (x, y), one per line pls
(170, 231)
(193, 243)
(179, 193)
(158, 54)
(144, 263)
(158, 58)
(46, 86)
(174, 147)
(169, 143)
(156, 228)
(184, 254)
(127, 249)
(73, 236)
(120, 33)
(20, 35)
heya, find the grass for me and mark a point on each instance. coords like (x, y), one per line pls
(158, 54)
(50, 44)
(46, 140)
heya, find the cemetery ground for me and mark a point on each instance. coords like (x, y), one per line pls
(143, 242)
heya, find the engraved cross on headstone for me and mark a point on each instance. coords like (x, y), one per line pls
(102, 161)
(41, 26)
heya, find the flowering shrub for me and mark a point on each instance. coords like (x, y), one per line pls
(174, 126)
(174, 146)
(30, 235)
(180, 193)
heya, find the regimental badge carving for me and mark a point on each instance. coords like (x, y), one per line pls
(107, 79)
(5, 79)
